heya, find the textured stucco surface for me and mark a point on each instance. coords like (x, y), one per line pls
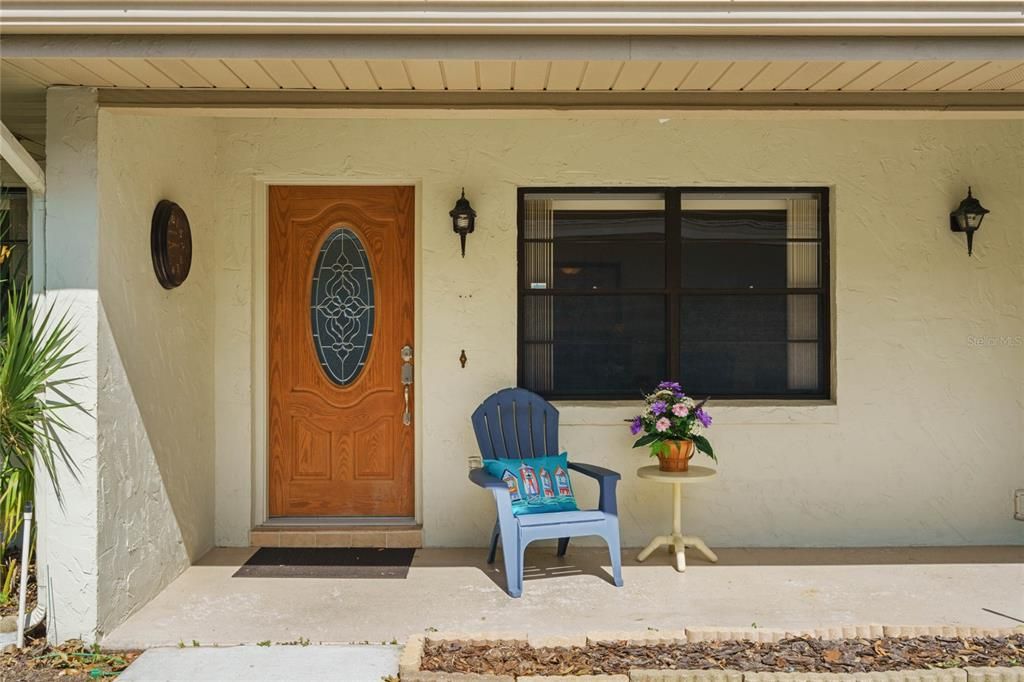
(923, 446)
(156, 363)
(68, 531)
(925, 442)
(141, 510)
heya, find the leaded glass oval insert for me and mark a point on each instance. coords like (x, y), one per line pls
(342, 306)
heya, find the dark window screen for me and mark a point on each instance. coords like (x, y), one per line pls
(723, 290)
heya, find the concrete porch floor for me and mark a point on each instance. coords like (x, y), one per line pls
(455, 590)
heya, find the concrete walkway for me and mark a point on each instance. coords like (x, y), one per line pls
(265, 664)
(455, 590)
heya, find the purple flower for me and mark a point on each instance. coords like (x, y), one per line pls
(659, 407)
(703, 417)
(670, 385)
(636, 426)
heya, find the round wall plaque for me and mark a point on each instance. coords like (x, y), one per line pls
(170, 240)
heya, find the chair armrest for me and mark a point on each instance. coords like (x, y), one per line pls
(502, 499)
(486, 480)
(607, 479)
(595, 471)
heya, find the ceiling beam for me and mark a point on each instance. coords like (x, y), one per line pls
(21, 162)
(1004, 102)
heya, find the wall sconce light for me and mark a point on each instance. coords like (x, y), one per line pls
(967, 218)
(463, 219)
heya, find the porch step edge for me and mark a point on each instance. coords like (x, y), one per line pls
(397, 537)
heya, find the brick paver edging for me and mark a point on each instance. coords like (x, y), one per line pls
(412, 655)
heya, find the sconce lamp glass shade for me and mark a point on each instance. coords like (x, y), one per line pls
(967, 218)
(463, 219)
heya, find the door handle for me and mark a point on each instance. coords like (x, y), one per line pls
(406, 381)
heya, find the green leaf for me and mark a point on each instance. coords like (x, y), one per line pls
(659, 448)
(704, 446)
(35, 355)
(646, 440)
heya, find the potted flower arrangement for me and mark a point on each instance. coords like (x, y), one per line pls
(672, 425)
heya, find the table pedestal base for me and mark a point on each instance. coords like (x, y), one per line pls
(677, 544)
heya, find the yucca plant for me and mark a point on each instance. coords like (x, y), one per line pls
(35, 349)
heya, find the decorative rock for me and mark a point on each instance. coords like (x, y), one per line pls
(557, 641)
(412, 653)
(846, 632)
(929, 675)
(9, 624)
(476, 637)
(685, 676)
(635, 638)
(744, 634)
(574, 678)
(995, 674)
(426, 676)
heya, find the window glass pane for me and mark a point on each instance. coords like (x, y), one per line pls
(611, 222)
(342, 306)
(758, 224)
(598, 265)
(593, 345)
(750, 345)
(749, 265)
(593, 214)
(750, 240)
(750, 215)
(594, 241)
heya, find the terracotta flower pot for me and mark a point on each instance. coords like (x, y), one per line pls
(677, 457)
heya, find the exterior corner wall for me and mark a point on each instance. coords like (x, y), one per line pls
(155, 411)
(926, 440)
(68, 528)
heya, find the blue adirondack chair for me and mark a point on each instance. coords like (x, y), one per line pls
(515, 424)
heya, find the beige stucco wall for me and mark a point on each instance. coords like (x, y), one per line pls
(155, 414)
(923, 445)
(925, 442)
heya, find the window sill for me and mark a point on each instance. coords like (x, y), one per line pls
(737, 412)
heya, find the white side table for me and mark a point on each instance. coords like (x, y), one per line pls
(677, 542)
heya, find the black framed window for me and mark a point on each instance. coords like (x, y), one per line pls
(724, 290)
(13, 242)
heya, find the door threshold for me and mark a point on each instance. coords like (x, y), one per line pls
(330, 522)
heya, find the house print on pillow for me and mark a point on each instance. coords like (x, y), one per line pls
(513, 485)
(529, 478)
(562, 481)
(545, 483)
(536, 485)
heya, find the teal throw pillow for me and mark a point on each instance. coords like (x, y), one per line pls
(537, 484)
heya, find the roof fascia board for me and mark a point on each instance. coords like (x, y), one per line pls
(680, 17)
(510, 47)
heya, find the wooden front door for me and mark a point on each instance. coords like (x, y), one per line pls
(340, 313)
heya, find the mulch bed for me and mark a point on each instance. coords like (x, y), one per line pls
(788, 655)
(39, 661)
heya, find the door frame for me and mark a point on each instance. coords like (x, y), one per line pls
(260, 331)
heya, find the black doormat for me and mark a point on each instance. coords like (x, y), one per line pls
(326, 562)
